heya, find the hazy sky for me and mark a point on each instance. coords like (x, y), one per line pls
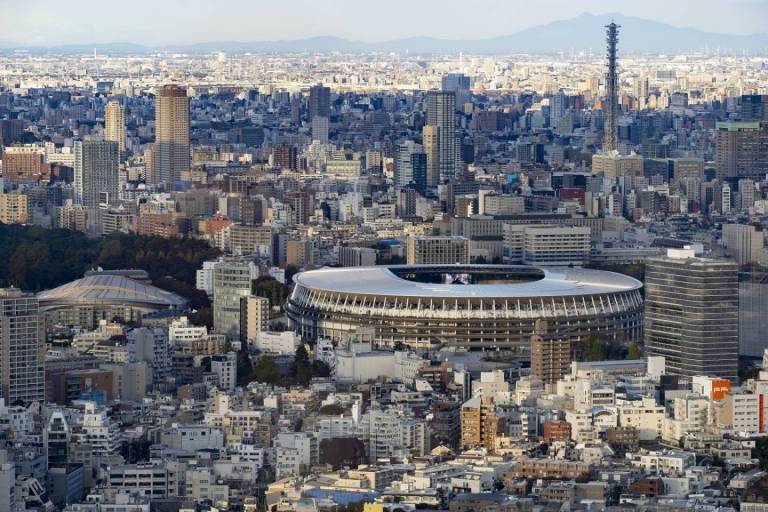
(42, 22)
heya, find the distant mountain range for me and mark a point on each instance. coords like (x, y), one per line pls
(584, 32)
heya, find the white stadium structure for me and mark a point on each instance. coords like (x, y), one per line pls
(474, 307)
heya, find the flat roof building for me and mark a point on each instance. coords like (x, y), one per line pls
(437, 250)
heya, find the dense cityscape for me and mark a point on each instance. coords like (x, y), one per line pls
(383, 281)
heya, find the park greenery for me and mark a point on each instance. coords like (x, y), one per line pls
(40, 259)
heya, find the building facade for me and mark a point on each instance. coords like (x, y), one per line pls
(171, 155)
(691, 314)
(22, 347)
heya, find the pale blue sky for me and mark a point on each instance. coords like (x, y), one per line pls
(152, 22)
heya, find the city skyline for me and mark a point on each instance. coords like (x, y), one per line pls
(488, 268)
(48, 23)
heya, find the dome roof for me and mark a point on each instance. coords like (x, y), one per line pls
(109, 288)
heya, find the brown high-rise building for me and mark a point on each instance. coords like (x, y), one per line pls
(431, 140)
(300, 204)
(550, 358)
(114, 124)
(171, 151)
(285, 156)
(480, 423)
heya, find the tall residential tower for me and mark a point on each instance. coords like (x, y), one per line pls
(22, 347)
(171, 150)
(441, 113)
(114, 124)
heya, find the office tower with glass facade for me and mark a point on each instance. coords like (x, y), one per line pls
(754, 107)
(692, 313)
(753, 320)
(319, 101)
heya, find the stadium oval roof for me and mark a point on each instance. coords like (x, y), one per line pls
(109, 288)
(381, 280)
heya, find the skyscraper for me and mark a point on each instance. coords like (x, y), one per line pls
(691, 313)
(441, 113)
(171, 153)
(22, 347)
(319, 101)
(96, 178)
(431, 140)
(114, 124)
(610, 140)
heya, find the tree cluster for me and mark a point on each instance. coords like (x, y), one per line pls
(596, 349)
(40, 259)
(266, 370)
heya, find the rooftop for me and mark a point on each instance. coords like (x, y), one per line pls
(110, 288)
(381, 280)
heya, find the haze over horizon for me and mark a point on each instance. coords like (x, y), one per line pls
(50, 22)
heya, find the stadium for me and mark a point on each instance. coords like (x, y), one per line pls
(105, 296)
(472, 307)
